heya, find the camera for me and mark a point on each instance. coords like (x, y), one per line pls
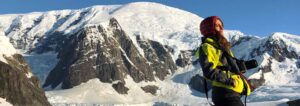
(251, 64)
(246, 65)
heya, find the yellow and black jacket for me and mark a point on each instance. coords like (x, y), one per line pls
(211, 58)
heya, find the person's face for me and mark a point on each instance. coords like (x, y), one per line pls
(219, 27)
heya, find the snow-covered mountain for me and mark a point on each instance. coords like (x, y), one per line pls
(277, 54)
(132, 49)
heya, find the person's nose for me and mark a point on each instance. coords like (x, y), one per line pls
(221, 27)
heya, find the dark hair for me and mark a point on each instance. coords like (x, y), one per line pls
(207, 29)
(223, 42)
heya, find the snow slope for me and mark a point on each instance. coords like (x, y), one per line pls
(173, 27)
(172, 91)
(96, 92)
(6, 48)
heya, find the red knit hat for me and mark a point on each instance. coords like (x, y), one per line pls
(207, 26)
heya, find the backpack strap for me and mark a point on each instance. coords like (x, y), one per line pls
(204, 79)
(206, 92)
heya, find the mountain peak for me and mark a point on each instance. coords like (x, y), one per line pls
(233, 35)
(282, 35)
(146, 5)
(285, 37)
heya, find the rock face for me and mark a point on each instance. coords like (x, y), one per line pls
(108, 54)
(279, 50)
(52, 43)
(276, 48)
(294, 102)
(18, 86)
(158, 56)
(120, 88)
(150, 89)
(184, 58)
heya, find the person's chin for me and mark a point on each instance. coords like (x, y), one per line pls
(220, 33)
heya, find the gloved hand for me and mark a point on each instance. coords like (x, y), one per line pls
(252, 84)
(243, 71)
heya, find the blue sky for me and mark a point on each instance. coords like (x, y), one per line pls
(255, 17)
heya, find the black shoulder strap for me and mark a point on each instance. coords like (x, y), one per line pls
(206, 92)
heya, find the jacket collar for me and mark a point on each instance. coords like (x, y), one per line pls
(211, 41)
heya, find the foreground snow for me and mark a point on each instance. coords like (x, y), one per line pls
(96, 92)
(3, 102)
(281, 102)
(174, 91)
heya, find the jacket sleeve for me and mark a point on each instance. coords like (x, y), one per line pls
(209, 59)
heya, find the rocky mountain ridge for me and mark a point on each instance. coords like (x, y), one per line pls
(108, 53)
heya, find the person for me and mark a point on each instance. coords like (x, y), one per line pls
(227, 86)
